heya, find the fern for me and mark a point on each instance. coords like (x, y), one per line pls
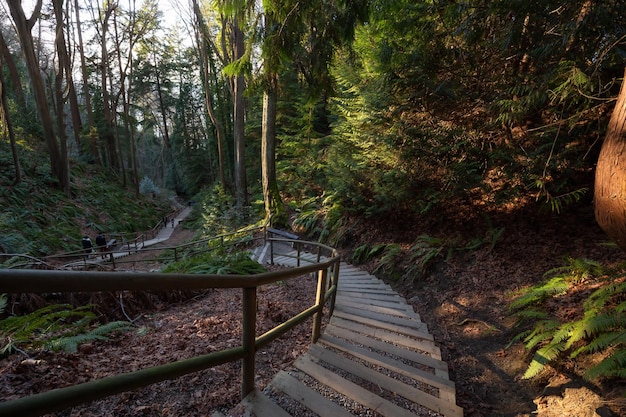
(613, 366)
(389, 256)
(217, 263)
(601, 329)
(55, 327)
(70, 344)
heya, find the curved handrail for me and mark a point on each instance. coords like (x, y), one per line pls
(63, 281)
(177, 249)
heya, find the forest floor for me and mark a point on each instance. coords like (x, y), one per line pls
(463, 300)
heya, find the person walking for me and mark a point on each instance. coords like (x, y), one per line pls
(87, 246)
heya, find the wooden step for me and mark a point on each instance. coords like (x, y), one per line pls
(375, 356)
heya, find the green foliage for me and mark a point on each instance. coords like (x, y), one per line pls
(320, 217)
(216, 213)
(38, 219)
(218, 264)
(55, 327)
(424, 252)
(147, 186)
(601, 329)
(556, 203)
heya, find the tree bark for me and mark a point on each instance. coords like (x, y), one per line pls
(271, 195)
(93, 139)
(241, 188)
(63, 72)
(108, 135)
(24, 27)
(610, 182)
(203, 46)
(8, 126)
(13, 72)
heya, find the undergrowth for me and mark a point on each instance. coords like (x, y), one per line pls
(598, 328)
(39, 219)
(56, 327)
(217, 263)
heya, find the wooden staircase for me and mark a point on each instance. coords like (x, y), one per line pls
(375, 358)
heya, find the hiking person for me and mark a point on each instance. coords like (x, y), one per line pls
(101, 243)
(87, 245)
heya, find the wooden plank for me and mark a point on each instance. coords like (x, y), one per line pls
(445, 386)
(369, 314)
(383, 310)
(362, 283)
(423, 341)
(399, 351)
(308, 397)
(306, 364)
(261, 406)
(410, 393)
(388, 298)
(379, 303)
(417, 329)
(367, 289)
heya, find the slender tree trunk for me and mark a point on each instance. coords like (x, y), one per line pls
(24, 27)
(271, 196)
(610, 192)
(241, 188)
(93, 138)
(109, 137)
(8, 125)
(63, 65)
(14, 74)
(204, 49)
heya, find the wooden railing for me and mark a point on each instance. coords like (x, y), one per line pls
(38, 281)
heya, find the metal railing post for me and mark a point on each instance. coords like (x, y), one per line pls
(248, 340)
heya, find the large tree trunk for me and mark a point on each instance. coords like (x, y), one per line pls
(241, 187)
(610, 185)
(24, 27)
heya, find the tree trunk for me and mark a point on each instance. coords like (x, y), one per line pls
(62, 72)
(241, 188)
(271, 196)
(13, 72)
(93, 139)
(610, 192)
(108, 135)
(24, 28)
(203, 46)
(8, 126)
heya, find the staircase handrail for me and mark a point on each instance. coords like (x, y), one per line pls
(41, 281)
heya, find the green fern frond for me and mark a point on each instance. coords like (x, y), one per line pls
(541, 358)
(70, 343)
(531, 314)
(542, 332)
(602, 342)
(599, 298)
(390, 254)
(113, 326)
(3, 302)
(612, 366)
(539, 293)
(550, 351)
